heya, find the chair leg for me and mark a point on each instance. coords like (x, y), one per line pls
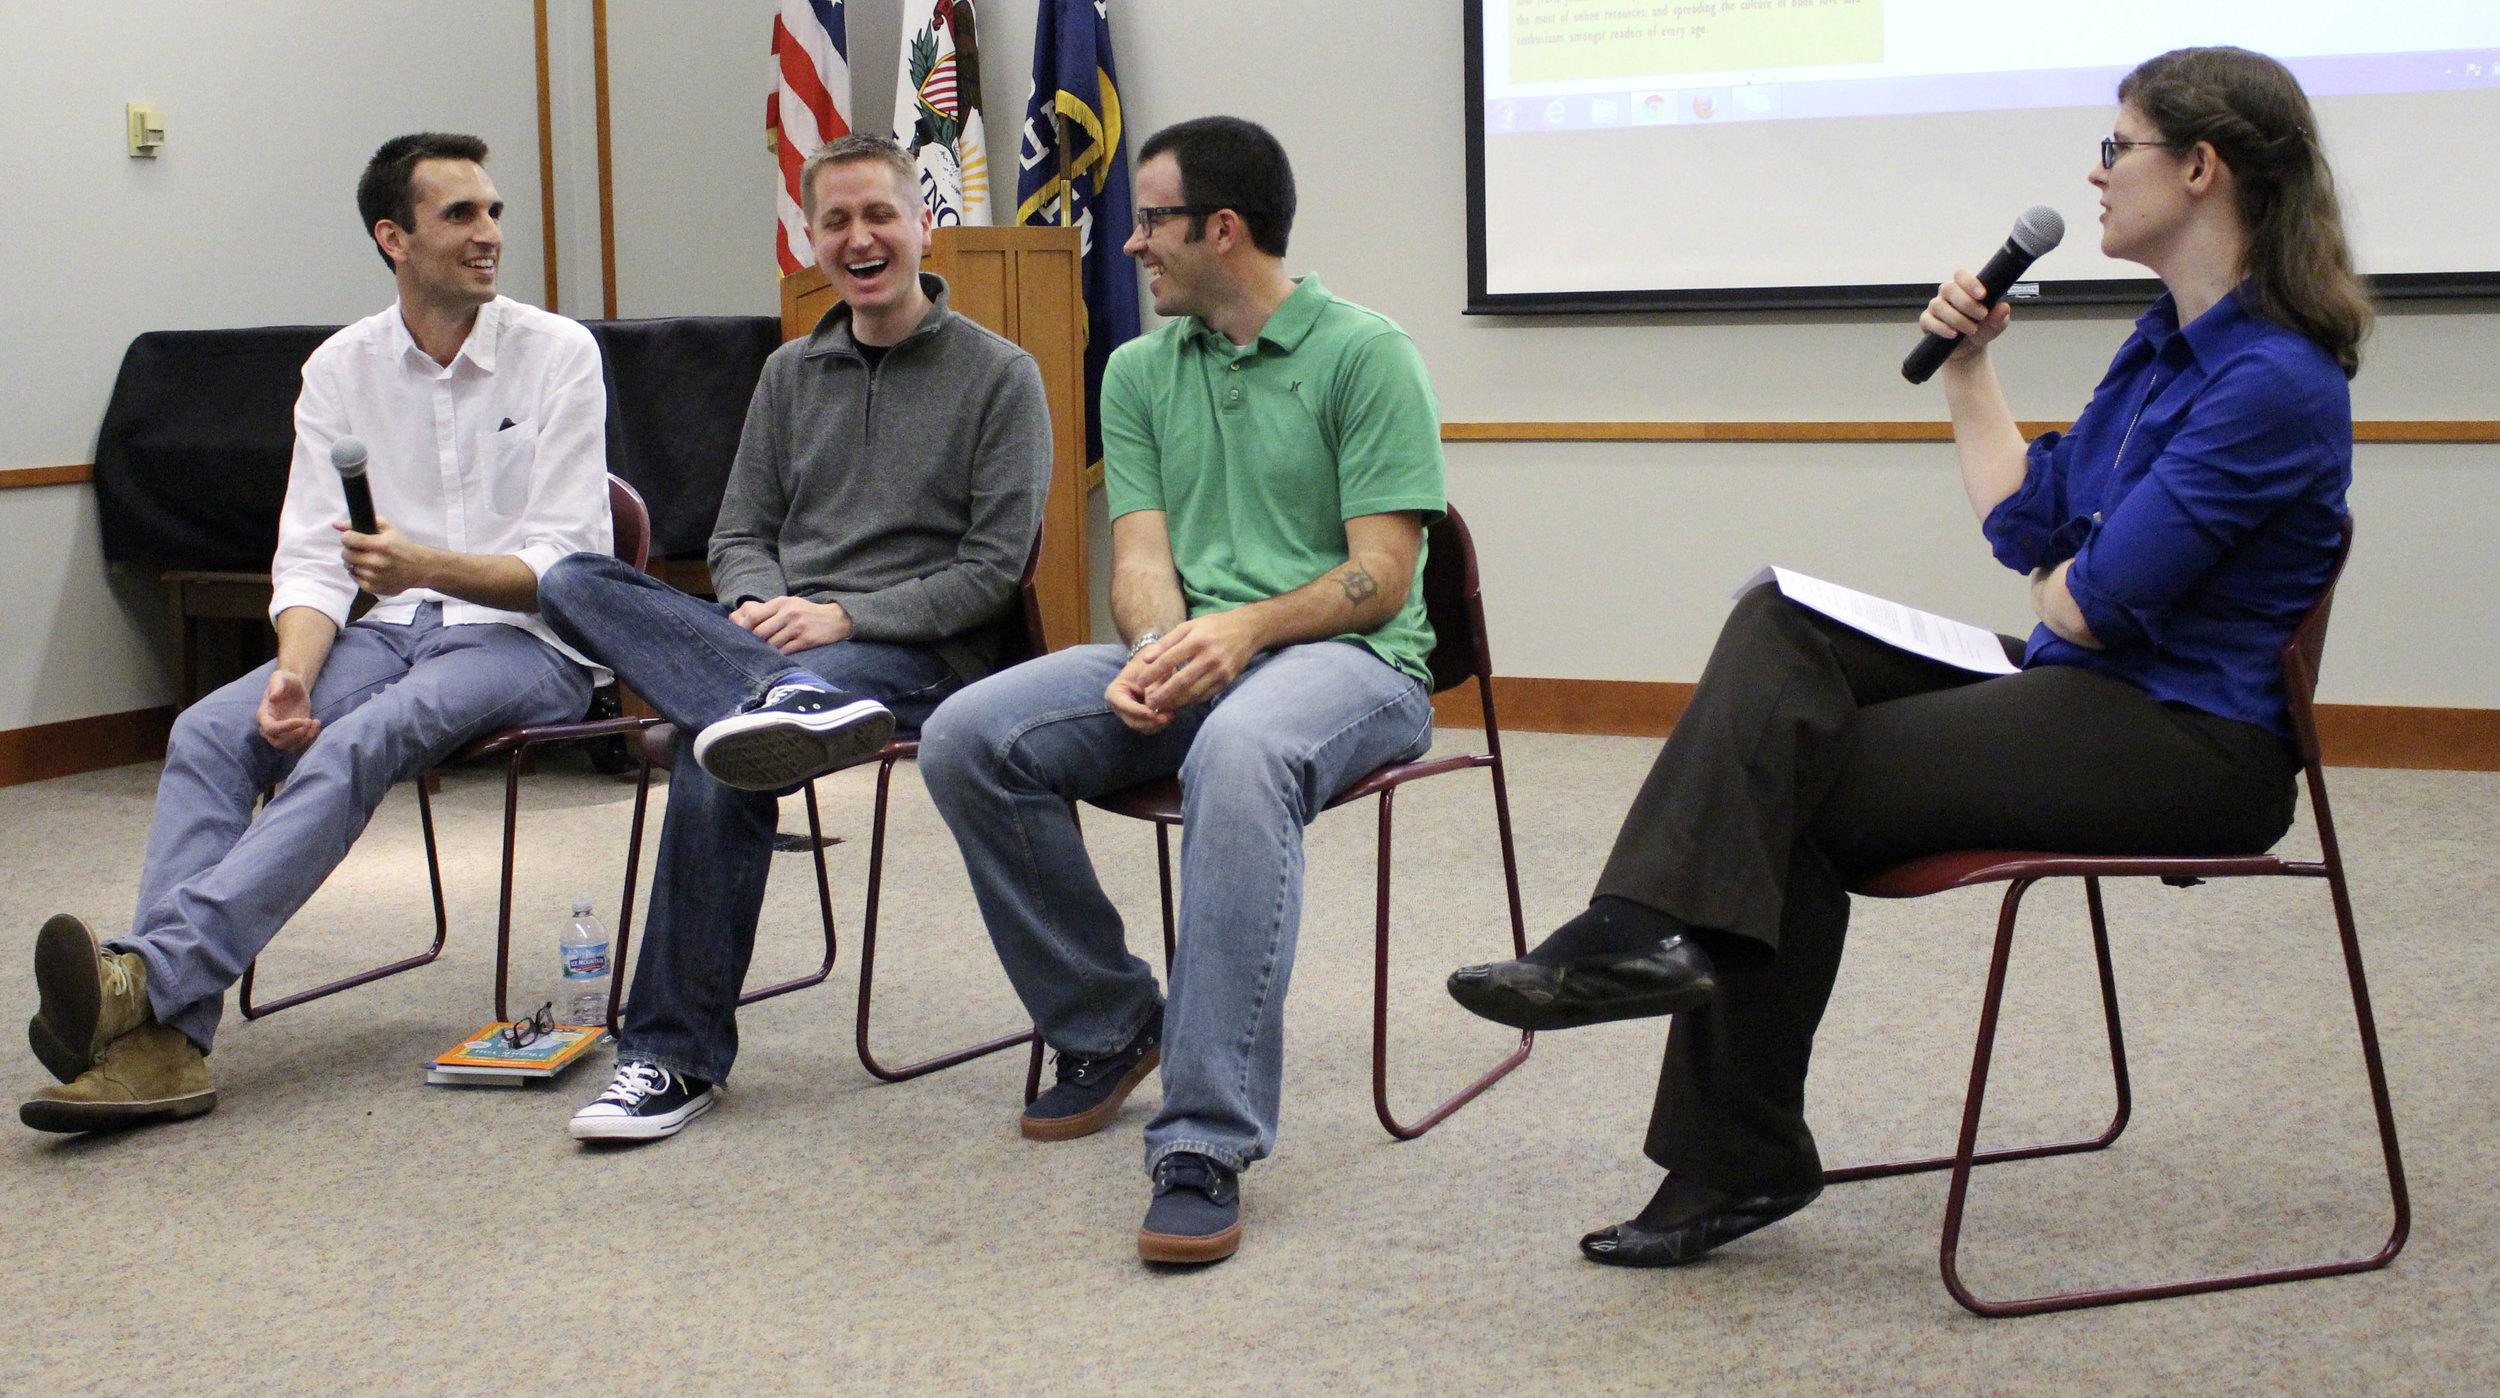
(868, 969)
(503, 902)
(1380, 993)
(824, 907)
(2121, 1084)
(2366, 1021)
(625, 900)
(442, 931)
(1163, 873)
(1965, 1156)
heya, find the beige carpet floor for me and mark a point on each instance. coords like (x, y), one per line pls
(338, 1227)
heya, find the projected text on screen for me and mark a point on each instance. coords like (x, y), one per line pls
(1844, 152)
(1553, 40)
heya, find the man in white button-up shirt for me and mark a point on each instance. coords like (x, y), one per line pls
(484, 422)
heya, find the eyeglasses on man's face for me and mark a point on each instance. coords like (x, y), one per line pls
(1150, 215)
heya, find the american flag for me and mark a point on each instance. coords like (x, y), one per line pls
(804, 107)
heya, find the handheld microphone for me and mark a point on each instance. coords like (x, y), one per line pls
(2038, 230)
(348, 455)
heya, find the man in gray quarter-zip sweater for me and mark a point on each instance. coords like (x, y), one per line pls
(887, 491)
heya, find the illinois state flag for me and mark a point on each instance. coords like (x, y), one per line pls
(937, 113)
(1088, 183)
(806, 104)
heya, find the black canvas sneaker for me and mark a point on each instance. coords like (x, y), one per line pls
(1196, 1213)
(645, 1102)
(1092, 1087)
(798, 733)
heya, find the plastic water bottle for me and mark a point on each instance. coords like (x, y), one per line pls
(585, 950)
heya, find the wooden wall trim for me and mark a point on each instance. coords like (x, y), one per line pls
(83, 745)
(22, 476)
(607, 164)
(2389, 430)
(2354, 735)
(546, 158)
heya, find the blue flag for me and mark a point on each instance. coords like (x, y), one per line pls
(1073, 77)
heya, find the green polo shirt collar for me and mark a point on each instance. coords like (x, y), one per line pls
(1287, 326)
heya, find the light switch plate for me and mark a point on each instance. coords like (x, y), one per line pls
(147, 129)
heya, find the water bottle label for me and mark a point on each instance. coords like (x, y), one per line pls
(586, 962)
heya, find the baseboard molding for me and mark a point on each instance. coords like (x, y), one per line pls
(2404, 735)
(2354, 735)
(1599, 708)
(83, 745)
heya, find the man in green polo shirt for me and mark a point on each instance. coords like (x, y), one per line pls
(1273, 456)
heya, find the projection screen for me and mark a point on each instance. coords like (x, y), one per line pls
(1767, 154)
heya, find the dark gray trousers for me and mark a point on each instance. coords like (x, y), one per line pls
(1813, 755)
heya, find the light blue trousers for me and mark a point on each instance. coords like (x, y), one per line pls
(1004, 757)
(393, 701)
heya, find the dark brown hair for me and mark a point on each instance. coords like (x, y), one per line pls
(1229, 163)
(2251, 109)
(388, 189)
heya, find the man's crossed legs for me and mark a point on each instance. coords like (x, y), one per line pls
(782, 719)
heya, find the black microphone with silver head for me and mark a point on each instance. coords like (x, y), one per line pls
(2038, 230)
(348, 455)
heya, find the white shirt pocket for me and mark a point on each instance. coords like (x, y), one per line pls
(508, 462)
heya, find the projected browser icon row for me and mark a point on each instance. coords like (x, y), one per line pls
(1654, 107)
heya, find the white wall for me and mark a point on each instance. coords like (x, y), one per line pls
(1602, 560)
(694, 181)
(247, 218)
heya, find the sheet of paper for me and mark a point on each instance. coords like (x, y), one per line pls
(1956, 643)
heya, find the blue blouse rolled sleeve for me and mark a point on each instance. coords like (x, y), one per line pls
(2034, 527)
(2249, 449)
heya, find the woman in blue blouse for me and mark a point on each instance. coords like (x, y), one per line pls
(2173, 538)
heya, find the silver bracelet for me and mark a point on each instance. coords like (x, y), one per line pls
(1142, 642)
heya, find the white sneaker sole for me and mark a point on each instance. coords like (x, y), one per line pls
(767, 751)
(620, 1127)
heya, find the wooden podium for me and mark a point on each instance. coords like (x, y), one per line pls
(1026, 284)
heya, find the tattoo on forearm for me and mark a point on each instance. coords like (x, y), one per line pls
(1359, 585)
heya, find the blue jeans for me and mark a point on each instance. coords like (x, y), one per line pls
(692, 663)
(1005, 757)
(393, 701)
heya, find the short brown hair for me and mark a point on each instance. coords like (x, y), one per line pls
(842, 150)
(389, 187)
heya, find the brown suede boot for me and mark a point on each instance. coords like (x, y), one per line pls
(90, 997)
(151, 1073)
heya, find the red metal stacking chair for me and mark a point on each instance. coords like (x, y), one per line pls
(1028, 644)
(632, 525)
(659, 747)
(1459, 653)
(2019, 870)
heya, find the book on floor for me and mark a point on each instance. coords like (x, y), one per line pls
(488, 1059)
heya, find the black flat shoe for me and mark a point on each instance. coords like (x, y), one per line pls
(1671, 976)
(1629, 1244)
